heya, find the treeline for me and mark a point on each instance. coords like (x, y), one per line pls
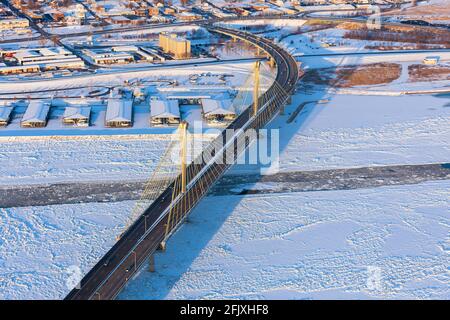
(411, 36)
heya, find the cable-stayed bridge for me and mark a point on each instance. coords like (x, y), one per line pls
(178, 193)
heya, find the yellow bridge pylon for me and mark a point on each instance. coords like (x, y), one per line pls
(183, 154)
(179, 184)
(256, 87)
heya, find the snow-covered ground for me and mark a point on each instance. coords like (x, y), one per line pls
(315, 245)
(41, 248)
(53, 160)
(405, 57)
(92, 158)
(354, 130)
(332, 41)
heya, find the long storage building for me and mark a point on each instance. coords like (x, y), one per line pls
(164, 112)
(218, 110)
(77, 115)
(36, 114)
(118, 113)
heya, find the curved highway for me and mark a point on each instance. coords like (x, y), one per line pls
(144, 236)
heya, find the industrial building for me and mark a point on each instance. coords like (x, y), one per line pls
(118, 113)
(173, 44)
(107, 58)
(36, 114)
(5, 114)
(32, 56)
(218, 110)
(40, 59)
(142, 53)
(164, 112)
(77, 116)
(5, 70)
(10, 24)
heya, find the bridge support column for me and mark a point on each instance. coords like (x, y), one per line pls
(151, 261)
(183, 147)
(256, 87)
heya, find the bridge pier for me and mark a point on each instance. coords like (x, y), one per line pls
(151, 262)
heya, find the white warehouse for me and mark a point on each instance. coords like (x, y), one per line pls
(118, 113)
(77, 115)
(218, 110)
(36, 114)
(164, 112)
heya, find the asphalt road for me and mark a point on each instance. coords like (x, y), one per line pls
(299, 181)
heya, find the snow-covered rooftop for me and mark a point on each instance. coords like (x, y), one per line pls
(217, 107)
(37, 111)
(164, 109)
(81, 112)
(118, 110)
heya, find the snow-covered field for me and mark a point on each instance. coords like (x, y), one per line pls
(354, 130)
(41, 248)
(68, 160)
(332, 61)
(315, 245)
(330, 244)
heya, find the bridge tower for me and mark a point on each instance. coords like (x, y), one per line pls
(256, 87)
(183, 153)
